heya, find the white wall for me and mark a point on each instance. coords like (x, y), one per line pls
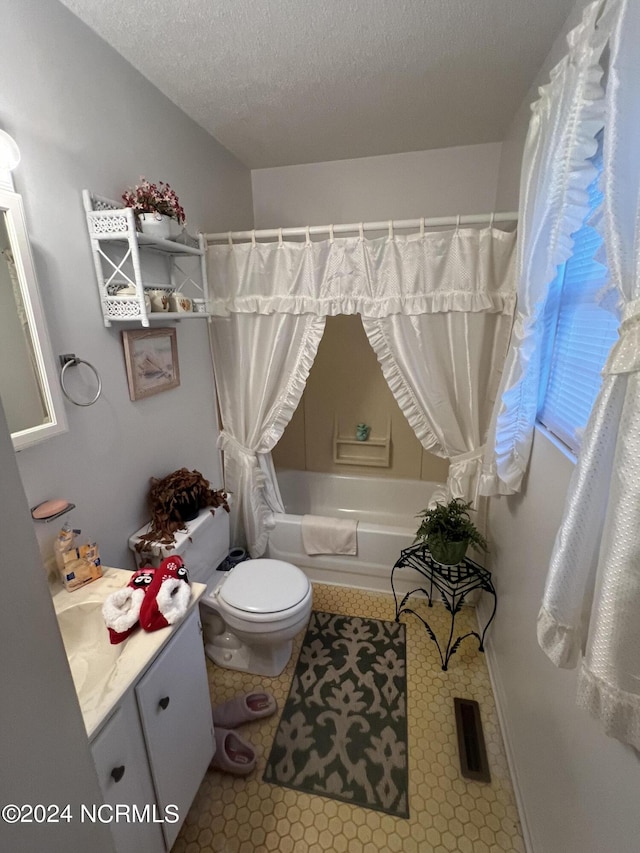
(44, 755)
(578, 787)
(83, 117)
(442, 182)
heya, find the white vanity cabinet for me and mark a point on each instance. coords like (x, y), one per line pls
(155, 748)
(123, 772)
(175, 711)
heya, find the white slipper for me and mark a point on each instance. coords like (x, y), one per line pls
(243, 709)
(233, 753)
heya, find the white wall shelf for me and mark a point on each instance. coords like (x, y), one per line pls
(123, 256)
(374, 452)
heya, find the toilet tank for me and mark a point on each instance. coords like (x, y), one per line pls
(203, 545)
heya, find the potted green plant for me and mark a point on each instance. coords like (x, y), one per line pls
(447, 531)
(176, 499)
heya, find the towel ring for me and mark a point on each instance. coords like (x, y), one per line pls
(71, 359)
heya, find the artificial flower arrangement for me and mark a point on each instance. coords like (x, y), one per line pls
(146, 197)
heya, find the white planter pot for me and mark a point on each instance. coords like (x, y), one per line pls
(159, 226)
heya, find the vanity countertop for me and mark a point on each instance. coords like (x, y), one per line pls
(102, 672)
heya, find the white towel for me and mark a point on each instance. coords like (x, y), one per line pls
(322, 535)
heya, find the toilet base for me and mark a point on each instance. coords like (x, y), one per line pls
(266, 660)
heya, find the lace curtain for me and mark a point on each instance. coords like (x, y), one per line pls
(591, 606)
(556, 172)
(437, 309)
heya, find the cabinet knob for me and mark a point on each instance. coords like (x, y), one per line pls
(164, 703)
(117, 773)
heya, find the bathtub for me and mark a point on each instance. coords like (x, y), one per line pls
(386, 512)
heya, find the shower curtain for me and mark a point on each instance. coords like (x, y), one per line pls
(437, 309)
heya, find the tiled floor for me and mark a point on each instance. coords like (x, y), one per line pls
(448, 813)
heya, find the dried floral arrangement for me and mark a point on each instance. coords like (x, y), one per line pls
(175, 499)
(146, 197)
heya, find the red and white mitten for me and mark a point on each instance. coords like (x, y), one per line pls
(121, 610)
(168, 596)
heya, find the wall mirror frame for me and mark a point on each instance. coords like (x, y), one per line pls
(51, 419)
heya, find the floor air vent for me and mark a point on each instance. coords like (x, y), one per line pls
(471, 746)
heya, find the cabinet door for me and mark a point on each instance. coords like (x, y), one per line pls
(121, 761)
(175, 710)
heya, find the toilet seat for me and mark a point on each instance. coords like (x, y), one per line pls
(261, 605)
(264, 589)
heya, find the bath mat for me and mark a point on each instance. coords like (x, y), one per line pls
(343, 731)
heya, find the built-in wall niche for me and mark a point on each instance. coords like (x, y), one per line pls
(29, 386)
(374, 451)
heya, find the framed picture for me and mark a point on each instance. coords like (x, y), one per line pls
(151, 356)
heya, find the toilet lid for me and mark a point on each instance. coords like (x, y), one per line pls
(264, 586)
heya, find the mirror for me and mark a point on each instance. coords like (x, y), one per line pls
(29, 386)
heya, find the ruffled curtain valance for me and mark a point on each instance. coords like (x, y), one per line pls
(458, 270)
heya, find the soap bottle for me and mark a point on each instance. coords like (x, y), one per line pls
(63, 544)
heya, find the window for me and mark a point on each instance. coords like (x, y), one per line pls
(580, 332)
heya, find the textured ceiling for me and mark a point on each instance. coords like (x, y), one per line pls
(280, 82)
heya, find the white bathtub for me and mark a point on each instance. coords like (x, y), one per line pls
(386, 512)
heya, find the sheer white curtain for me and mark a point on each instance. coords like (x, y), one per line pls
(556, 172)
(591, 605)
(261, 365)
(437, 308)
(443, 368)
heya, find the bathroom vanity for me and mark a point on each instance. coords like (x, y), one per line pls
(147, 711)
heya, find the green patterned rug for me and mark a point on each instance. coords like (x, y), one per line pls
(343, 731)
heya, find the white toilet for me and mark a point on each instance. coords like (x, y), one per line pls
(251, 613)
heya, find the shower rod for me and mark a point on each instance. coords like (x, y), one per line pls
(391, 225)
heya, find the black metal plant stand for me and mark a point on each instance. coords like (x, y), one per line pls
(453, 583)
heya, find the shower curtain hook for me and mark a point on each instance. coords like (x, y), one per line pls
(308, 233)
(253, 239)
(457, 223)
(361, 229)
(391, 229)
(230, 239)
(422, 226)
(492, 218)
(331, 233)
(280, 237)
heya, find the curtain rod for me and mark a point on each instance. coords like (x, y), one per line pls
(394, 224)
